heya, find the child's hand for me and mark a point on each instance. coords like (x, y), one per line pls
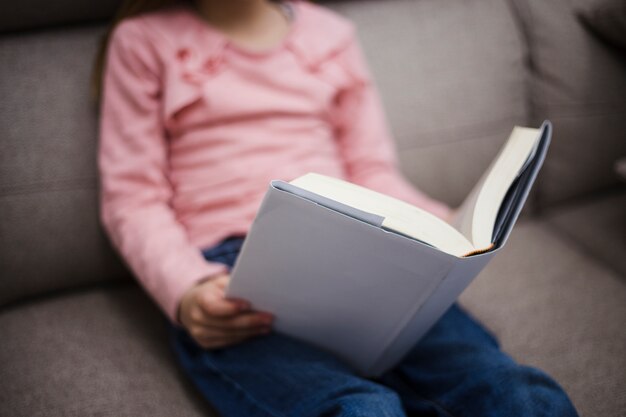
(214, 321)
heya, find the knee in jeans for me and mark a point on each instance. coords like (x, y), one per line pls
(362, 401)
(533, 388)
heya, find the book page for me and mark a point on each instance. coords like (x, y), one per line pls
(479, 210)
(462, 220)
(398, 215)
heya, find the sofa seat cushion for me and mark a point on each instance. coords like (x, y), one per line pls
(100, 352)
(597, 226)
(555, 307)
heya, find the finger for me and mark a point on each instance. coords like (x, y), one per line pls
(222, 282)
(243, 321)
(207, 333)
(221, 287)
(219, 342)
(214, 304)
(199, 317)
(244, 305)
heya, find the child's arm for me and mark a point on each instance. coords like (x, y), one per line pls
(135, 191)
(365, 141)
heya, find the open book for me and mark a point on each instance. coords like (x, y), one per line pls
(471, 231)
(364, 275)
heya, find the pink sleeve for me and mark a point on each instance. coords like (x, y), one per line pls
(135, 191)
(365, 140)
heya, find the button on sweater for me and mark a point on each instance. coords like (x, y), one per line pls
(193, 127)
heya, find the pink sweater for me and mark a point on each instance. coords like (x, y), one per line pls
(193, 127)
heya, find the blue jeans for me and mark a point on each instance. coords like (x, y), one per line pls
(457, 369)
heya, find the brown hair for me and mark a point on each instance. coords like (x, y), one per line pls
(128, 8)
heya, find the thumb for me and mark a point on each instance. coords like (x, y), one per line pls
(214, 304)
(222, 281)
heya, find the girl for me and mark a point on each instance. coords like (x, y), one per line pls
(203, 103)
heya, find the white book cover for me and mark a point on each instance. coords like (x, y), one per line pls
(333, 277)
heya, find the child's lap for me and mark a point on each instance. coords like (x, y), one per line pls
(456, 369)
(457, 365)
(279, 372)
(274, 375)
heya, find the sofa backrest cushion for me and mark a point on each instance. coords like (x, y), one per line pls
(579, 83)
(32, 14)
(452, 76)
(50, 237)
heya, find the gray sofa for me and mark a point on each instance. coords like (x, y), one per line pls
(78, 336)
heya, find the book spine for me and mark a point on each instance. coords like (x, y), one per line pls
(460, 275)
(402, 327)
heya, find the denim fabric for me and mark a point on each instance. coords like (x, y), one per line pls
(457, 369)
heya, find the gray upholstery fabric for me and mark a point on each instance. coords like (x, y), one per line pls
(607, 19)
(597, 226)
(554, 307)
(49, 230)
(452, 81)
(580, 84)
(102, 352)
(48, 122)
(30, 14)
(50, 240)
